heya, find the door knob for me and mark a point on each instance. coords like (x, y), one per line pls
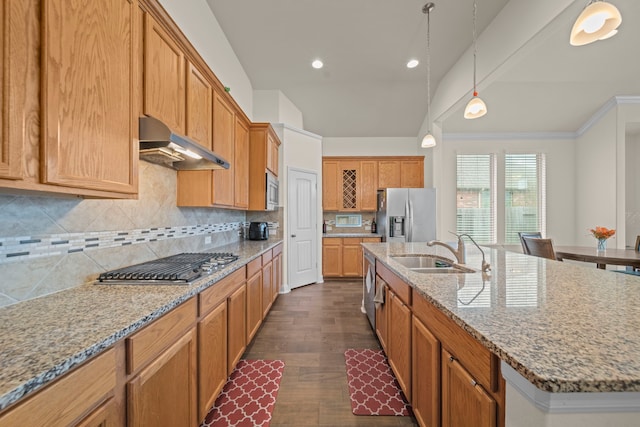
(293, 235)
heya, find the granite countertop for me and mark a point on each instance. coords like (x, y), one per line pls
(352, 235)
(565, 327)
(41, 339)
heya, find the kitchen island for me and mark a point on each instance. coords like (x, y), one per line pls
(567, 336)
(43, 339)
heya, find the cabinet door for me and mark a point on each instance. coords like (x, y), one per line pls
(399, 342)
(277, 276)
(254, 305)
(104, 416)
(236, 327)
(272, 154)
(241, 175)
(212, 357)
(412, 174)
(382, 314)
(389, 174)
(89, 98)
(223, 145)
(267, 292)
(330, 185)
(425, 375)
(13, 83)
(332, 257)
(369, 185)
(349, 182)
(164, 66)
(351, 257)
(199, 119)
(164, 393)
(464, 402)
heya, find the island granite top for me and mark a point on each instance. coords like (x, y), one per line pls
(43, 338)
(565, 327)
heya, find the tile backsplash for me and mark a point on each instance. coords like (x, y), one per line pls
(365, 227)
(48, 244)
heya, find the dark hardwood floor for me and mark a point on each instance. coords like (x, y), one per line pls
(309, 329)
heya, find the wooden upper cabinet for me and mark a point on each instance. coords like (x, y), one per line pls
(89, 96)
(389, 174)
(412, 173)
(369, 185)
(164, 82)
(241, 175)
(11, 75)
(349, 186)
(199, 102)
(223, 145)
(263, 158)
(330, 185)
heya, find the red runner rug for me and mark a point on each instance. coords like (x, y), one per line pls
(373, 388)
(248, 397)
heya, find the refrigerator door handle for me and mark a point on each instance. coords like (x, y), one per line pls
(408, 214)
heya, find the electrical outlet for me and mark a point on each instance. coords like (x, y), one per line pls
(207, 240)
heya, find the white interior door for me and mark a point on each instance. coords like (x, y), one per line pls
(302, 258)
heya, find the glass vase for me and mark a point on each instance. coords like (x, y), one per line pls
(602, 245)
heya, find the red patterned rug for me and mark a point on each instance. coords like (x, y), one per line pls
(373, 388)
(248, 397)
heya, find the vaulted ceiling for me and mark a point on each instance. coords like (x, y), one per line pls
(365, 89)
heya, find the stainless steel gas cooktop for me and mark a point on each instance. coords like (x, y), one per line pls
(181, 269)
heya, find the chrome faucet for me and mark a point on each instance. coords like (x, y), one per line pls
(459, 253)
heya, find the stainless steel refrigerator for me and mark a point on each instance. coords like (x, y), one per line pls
(407, 214)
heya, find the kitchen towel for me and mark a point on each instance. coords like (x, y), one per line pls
(249, 396)
(373, 389)
(378, 299)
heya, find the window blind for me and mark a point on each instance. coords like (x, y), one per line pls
(525, 197)
(475, 196)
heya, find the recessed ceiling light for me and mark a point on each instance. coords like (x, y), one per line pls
(413, 63)
(317, 64)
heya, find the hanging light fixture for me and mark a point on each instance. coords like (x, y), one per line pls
(428, 140)
(476, 106)
(598, 21)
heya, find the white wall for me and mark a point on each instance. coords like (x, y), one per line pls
(632, 187)
(274, 107)
(560, 181)
(300, 150)
(201, 27)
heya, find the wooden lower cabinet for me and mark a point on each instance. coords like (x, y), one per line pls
(332, 257)
(212, 357)
(342, 257)
(237, 327)
(399, 340)
(464, 402)
(351, 257)
(267, 288)
(67, 400)
(277, 271)
(382, 314)
(254, 297)
(164, 393)
(425, 375)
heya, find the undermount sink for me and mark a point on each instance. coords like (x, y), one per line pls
(429, 264)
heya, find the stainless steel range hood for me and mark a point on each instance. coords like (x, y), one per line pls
(160, 145)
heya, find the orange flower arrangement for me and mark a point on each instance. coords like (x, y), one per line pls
(602, 232)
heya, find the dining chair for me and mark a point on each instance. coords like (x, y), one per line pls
(540, 247)
(535, 234)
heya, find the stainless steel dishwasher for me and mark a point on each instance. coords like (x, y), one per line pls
(369, 288)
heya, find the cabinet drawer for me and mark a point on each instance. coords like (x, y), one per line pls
(332, 241)
(277, 250)
(475, 357)
(145, 345)
(400, 288)
(351, 241)
(63, 402)
(212, 296)
(266, 257)
(371, 240)
(254, 267)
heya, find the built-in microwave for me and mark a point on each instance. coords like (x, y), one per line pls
(272, 192)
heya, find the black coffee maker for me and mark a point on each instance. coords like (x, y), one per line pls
(258, 231)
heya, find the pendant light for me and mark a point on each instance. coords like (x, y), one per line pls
(428, 141)
(598, 21)
(476, 106)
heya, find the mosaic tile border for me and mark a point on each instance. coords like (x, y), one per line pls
(29, 247)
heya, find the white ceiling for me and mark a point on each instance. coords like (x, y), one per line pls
(365, 89)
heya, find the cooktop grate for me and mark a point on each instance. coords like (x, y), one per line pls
(176, 269)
